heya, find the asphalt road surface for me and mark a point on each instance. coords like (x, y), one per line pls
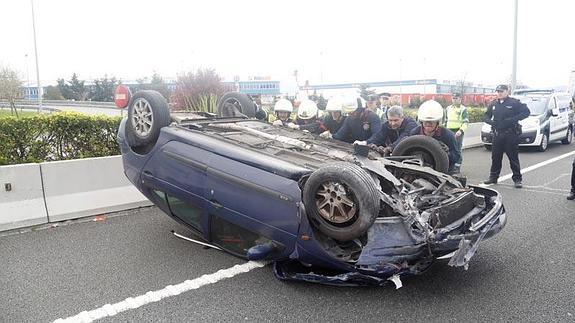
(523, 274)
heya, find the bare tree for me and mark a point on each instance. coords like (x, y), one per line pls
(10, 85)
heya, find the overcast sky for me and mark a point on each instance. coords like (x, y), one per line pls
(326, 41)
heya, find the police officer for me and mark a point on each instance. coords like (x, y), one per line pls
(571, 195)
(503, 114)
(372, 103)
(397, 127)
(360, 125)
(385, 104)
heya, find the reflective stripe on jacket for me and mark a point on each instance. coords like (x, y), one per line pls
(457, 118)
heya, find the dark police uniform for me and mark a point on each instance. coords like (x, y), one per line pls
(503, 116)
(362, 124)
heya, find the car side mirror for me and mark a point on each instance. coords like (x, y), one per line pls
(555, 112)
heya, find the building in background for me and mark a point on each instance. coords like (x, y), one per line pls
(407, 91)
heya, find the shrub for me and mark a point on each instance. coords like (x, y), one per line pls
(58, 136)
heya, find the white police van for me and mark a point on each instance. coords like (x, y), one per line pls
(551, 119)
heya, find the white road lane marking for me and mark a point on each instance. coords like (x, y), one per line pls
(155, 296)
(532, 167)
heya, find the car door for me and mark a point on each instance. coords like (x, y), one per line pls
(250, 205)
(554, 121)
(176, 172)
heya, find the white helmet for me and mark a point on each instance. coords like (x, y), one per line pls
(430, 110)
(283, 105)
(351, 104)
(334, 105)
(307, 109)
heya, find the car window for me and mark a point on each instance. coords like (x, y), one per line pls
(190, 214)
(563, 103)
(537, 105)
(552, 104)
(232, 237)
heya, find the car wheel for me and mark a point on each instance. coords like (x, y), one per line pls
(148, 112)
(428, 148)
(236, 104)
(341, 200)
(487, 147)
(544, 142)
(568, 137)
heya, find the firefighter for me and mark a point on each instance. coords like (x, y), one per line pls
(393, 130)
(360, 125)
(503, 114)
(307, 119)
(334, 118)
(282, 109)
(457, 120)
(430, 115)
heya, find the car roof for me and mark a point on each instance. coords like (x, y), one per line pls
(533, 91)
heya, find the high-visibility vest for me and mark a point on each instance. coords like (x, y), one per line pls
(457, 118)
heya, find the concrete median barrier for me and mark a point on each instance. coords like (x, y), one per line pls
(21, 197)
(85, 187)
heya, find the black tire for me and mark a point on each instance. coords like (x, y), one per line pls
(487, 147)
(350, 196)
(236, 104)
(569, 137)
(429, 149)
(544, 143)
(148, 112)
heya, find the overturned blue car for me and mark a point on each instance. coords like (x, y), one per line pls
(316, 208)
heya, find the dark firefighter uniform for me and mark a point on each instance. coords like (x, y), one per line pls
(311, 125)
(331, 125)
(446, 137)
(504, 116)
(362, 124)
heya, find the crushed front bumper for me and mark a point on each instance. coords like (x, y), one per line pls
(393, 250)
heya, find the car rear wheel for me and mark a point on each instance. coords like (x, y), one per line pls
(148, 112)
(569, 137)
(236, 104)
(544, 142)
(341, 200)
(427, 148)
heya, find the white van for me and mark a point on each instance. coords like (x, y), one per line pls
(551, 119)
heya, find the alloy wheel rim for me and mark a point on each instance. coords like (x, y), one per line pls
(142, 118)
(334, 203)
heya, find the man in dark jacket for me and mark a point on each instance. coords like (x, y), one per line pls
(503, 114)
(360, 125)
(392, 131)
(430, 114)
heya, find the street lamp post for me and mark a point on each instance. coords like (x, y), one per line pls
(27, 78)
(36, 55)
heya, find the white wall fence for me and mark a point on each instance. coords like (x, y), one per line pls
(32, 194)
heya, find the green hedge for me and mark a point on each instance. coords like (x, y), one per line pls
(58, 136)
